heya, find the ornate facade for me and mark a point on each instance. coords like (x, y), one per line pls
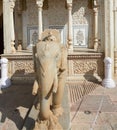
(87, 27)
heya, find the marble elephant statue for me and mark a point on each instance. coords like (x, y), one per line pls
(50, 65)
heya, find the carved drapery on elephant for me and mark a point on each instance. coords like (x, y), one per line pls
(50, 65)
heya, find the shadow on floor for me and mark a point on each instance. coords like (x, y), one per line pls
(15, 102)
(91, 77)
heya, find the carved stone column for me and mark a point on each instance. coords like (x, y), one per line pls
(12, 5)
(109, 30)
(6, 29)
(40, 23)
(18, 23)
(95, 9)
(70, 35)
(115, 37)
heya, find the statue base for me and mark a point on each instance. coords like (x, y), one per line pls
(31, 122)
(50, 124)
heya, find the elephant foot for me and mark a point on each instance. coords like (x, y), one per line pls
(57, 111)
(50, 124)
(40, 125)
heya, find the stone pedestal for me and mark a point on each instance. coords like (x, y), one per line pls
(20, 67)
(108, 82)
(85, 66)
(64, 119)
(5, 81)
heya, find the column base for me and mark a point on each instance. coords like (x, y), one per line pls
(5, 82)
(96, 44)
(108, 83)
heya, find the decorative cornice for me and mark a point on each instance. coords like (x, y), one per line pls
(95, 4)
(70, 56)
(85, 56)
(17, 57)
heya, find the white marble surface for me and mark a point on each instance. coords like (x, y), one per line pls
(4, 81)
(108, 82)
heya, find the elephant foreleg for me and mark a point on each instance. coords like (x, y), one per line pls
(57, 97)
(45, 108)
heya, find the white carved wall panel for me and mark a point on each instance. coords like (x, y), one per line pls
(32, 35)
(84, 66)
(80, 36)
(57, 15)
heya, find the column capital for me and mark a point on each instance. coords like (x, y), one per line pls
(12, 4)
(95, 4)
(95, 10)
(39, 3)
(69, 5)
(69, 1)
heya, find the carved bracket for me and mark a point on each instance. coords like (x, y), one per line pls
(12, 3)
(95, 4)
(69, 1)
(40, 3)
(69, 4)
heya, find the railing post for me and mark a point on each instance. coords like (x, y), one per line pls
(4, 81)
(108, 82)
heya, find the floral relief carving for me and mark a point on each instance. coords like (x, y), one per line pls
(80, 12)
(78, 17)
(24, 66)
(82, 66)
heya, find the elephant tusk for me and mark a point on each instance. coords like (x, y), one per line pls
(35, 88)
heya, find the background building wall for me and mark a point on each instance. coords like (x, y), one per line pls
(56, 16)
